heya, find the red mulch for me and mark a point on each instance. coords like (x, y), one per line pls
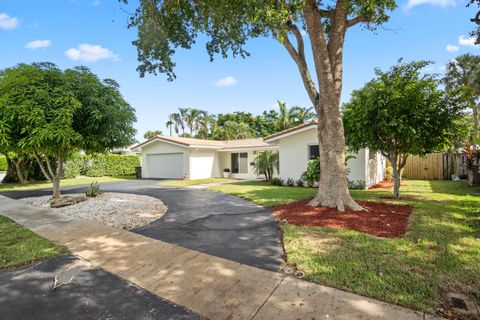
(383, 185)
(381, 219)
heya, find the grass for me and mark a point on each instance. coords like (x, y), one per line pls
(265, 194)
(64, 183)
(19, 246)
(439, 253)
(186, 183)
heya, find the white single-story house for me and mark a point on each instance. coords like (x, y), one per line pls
(165, 157)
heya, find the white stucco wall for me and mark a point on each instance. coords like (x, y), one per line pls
(159, 147)
(203, 164)
(376, 164)
(357, 166)
(293, 151)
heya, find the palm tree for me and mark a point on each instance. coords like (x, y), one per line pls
(302, 115)
(178, 122)
(464, 71)
(285, 119)
(266, 163)
(169, 125)
(190, 116)
(205, 122)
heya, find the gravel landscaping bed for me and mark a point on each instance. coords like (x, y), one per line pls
(116, 210)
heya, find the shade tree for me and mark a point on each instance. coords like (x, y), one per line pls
(402, 112)
(164, 26)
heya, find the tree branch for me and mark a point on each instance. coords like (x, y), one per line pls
(357, 20)
(298, 55)
(42, 167)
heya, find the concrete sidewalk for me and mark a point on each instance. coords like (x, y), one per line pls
(213, 287)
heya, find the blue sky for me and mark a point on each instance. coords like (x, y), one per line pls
(94, 33)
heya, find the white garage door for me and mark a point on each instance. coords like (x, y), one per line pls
(166, 166)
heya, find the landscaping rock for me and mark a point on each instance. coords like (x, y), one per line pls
(116, 210)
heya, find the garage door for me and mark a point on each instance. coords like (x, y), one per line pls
(166, 166)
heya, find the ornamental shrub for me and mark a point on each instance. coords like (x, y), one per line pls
(101, 165)
(111, 165)
(74, 167)
(312, 174)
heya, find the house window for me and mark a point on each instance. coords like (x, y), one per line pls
(313, 152)
(240, 162)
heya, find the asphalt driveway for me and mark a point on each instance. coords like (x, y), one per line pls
(203, 220)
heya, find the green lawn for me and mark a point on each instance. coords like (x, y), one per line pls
(64, 183)
(19, 246)
(186, 183)
(440, 252)
(265, 194)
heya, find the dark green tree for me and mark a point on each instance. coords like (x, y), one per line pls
(464, 71)
(59, 113)
(164, 26)
(400, 113)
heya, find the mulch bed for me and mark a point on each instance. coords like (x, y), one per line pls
(383, 185)
(381, 219)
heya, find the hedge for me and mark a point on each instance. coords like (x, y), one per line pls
(3, 163)
(101, 165)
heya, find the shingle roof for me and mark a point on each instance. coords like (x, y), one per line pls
(192, 142)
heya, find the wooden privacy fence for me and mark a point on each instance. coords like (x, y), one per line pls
(435, 166)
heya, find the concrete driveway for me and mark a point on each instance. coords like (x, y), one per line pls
(203, 220)
(91, 293)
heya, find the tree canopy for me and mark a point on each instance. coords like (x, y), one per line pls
(50, 114)
(464, 72)
(201, 124)
(402, 112)
(164, 26)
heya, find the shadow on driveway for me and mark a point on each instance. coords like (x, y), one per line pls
(203, 220)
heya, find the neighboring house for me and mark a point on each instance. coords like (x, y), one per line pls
(177, 158)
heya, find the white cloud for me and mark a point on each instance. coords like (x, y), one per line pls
(464, 41)
(90, 53)
(438, 3)
(452, 48)
(226, 82)
(7, 22)
(36, 44)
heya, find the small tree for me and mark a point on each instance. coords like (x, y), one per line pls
(402, 112)
(266, 163)
(60, 112)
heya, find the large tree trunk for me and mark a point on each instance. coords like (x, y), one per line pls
(11, 174)
(327, 51)
(332, 187)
